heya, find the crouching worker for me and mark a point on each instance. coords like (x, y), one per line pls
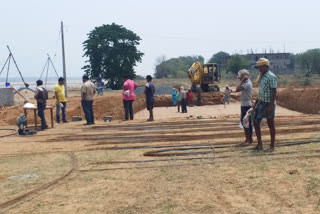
(149, 92)
(245, 89)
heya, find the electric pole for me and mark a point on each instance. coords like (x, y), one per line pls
(64, 62)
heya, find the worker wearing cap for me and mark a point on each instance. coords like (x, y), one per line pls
(264, 107)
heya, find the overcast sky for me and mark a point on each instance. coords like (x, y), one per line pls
(168, 27)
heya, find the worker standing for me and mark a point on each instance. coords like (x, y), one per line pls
(149, 92)
(265, 105)
(227, 95)
(198, 93)
(183, 94)
(61, 101)
(189, 97)
(245, 89)
(41, 95)
(174, 96)
(179, 99)
(128, 96)
(88, 90)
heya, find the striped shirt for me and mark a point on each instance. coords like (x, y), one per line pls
(267, 83)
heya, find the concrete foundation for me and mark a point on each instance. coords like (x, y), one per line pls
(6, 96)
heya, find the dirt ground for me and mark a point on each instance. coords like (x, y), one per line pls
(161, 167)
(208, 111)
(110, 104)
(172, 165)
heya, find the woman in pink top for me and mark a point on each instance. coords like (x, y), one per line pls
(128, 96)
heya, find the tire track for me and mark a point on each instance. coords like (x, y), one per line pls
(75, 167)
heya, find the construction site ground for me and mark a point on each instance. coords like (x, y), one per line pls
(172, 165)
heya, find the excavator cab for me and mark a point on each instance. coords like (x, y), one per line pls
(211, 73)
(207, 76)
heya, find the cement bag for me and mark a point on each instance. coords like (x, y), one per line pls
(127, 93)
(29, 105)
(246, 119)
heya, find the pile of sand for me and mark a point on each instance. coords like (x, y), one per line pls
(302, 99)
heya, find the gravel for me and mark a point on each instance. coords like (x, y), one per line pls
(160, 90)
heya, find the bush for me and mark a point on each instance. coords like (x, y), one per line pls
(284, 82)
(306, 82)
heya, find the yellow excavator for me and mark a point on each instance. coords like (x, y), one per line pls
(207, 76)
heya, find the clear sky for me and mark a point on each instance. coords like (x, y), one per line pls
(167, 27)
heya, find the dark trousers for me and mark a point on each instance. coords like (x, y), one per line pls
(244, 110)
(41, 108)
(127, 104)
(63, 109)
(88, 110)
(184, 105)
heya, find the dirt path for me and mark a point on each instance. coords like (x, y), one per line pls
(171, 165)
(167, 166)
(218, 111)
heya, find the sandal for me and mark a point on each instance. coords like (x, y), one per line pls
(243, 144)
(257, 148)
(271, 149)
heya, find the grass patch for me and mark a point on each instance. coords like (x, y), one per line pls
(167, 206)
(313, 186)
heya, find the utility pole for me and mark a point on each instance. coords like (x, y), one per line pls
(64, 62)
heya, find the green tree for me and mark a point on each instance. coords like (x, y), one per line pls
(236, 63)
(175, 67)
(162, 69)
(219, 58)
(292, 64)
(112, 52)
(309, 62)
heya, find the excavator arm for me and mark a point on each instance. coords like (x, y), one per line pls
(195, 73)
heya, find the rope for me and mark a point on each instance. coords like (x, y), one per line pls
(57, 44)
(27, 85)
(7, 135)
(45, 84)
(4, 64)
(43, 69)
(53, 66)
(8, 68)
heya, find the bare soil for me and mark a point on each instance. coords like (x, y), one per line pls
(171, 165)
(302, 99)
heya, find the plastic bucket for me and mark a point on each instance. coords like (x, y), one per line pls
(7, 84)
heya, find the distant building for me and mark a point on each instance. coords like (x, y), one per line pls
(279, 62)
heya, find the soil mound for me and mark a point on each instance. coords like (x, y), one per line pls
(302, 99)
(105, 105)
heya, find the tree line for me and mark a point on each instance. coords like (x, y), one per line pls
(112, 52)
(175, 67)
(305, 63)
